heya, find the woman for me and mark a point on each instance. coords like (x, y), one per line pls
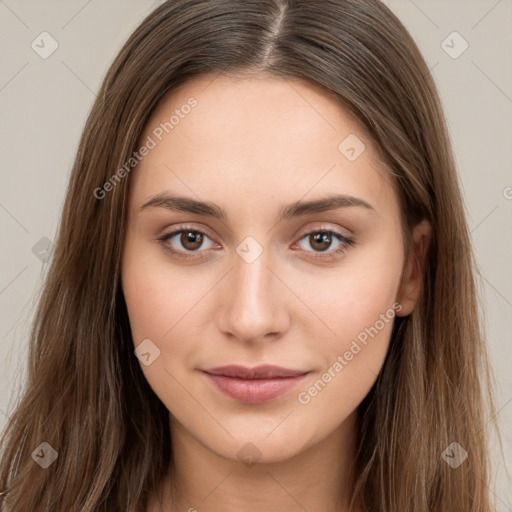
(262, 293)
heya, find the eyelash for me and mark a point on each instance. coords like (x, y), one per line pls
(345, 242)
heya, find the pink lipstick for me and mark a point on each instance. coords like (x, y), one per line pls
(254, 385)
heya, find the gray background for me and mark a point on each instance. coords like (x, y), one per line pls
(44, 103)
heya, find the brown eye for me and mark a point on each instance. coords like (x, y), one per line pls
(329, 242)
(186, 243)
(320, 241)
(191, 240)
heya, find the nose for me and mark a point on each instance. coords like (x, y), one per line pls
(253, 303)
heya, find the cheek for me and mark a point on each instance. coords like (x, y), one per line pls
(159, 314)
(158, 295)
(165, 304)
(359, 305)
(354, 297)
(366, 315)
(353, 358)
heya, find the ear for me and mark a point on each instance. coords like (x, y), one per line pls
(414, 267)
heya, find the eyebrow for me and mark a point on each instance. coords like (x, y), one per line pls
(297, 209)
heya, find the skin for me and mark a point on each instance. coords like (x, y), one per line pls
(252, 146)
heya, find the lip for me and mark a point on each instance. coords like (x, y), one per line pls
(254, 385)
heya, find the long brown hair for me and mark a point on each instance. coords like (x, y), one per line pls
(86, 395)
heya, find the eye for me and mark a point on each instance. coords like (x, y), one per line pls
(190, 239)
(193, 239)
(320, 240)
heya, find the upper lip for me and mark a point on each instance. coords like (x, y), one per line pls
(259, 372)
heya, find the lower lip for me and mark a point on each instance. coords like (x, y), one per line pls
(254, 391)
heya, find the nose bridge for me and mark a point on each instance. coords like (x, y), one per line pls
(253, 281)
(252, 308)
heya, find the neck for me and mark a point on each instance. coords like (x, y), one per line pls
(318, 478)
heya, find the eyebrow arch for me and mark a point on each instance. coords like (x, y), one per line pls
(297, 209)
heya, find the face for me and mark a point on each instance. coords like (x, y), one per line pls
(253, 266)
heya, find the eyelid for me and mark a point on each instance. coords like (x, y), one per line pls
(324, 226)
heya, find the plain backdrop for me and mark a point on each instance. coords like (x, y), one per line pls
(45, 99)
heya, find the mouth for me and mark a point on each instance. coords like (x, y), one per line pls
(254, 385)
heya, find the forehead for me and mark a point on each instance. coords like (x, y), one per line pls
(266, 134)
